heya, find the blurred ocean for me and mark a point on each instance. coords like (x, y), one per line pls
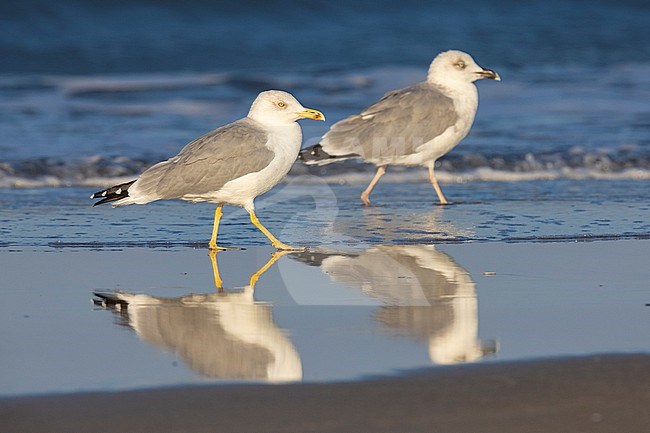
(92, 92)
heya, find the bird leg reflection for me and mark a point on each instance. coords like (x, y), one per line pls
(274, 258)
(365, 195)
(215, 228)
(434, 182)
(274, 241)
(218, 282)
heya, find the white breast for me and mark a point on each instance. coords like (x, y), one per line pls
(285, 142)
(466, 103)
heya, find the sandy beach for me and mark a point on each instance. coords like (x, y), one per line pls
(591, 394)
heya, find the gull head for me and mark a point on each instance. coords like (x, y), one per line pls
(453, 67)
(275, 107)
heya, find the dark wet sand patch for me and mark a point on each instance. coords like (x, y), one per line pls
(587, 394)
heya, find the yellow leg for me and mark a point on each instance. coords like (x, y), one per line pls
(434, 182)
(274, 258)
(215, 270)
(274, 241)
(365, 195)
(215, 228)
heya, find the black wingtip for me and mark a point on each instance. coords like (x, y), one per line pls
(315, 258)
(310, 153)
(105, 200)
(315, 155)
(113, 193)
(108, 300)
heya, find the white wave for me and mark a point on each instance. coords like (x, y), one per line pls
(362, 178)
(74, 85)
(488, 175)
(56, 182)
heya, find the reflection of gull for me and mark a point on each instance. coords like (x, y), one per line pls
(431, 225)
(426, 295)
(224, 335)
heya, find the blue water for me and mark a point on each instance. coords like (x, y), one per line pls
(326, 215)
(77, 36)
(94, 92)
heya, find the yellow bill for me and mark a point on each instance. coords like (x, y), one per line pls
(308, 113)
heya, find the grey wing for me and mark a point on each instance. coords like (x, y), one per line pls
(396, 125)
(209, 162)
(196, 335)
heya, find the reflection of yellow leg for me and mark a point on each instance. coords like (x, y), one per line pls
(215, 227)
(434, 182)
(274, 258)
(365, 195)
(215, 270)
(274, 241)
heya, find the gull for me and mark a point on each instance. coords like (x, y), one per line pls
(232, 164)
(415, 125)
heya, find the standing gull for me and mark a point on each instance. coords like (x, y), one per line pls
(232, 164)
(415, 125)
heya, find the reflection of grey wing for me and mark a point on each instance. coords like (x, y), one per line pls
(218, 336)
(399, 275)
(396, 125)
(209, 162)
(426, 294)
(207, 349)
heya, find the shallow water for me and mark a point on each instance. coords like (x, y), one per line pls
(315, 213)
(325, 315)
(381, 290)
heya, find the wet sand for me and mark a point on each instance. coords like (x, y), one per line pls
(587, 394)
(321, 316)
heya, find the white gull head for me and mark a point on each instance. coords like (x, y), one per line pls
(453, 69)
(277, 108)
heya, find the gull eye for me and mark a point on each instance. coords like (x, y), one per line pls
(460, 64)
(282, 104)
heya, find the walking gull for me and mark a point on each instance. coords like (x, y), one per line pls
(232, 164)
(415, 125)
